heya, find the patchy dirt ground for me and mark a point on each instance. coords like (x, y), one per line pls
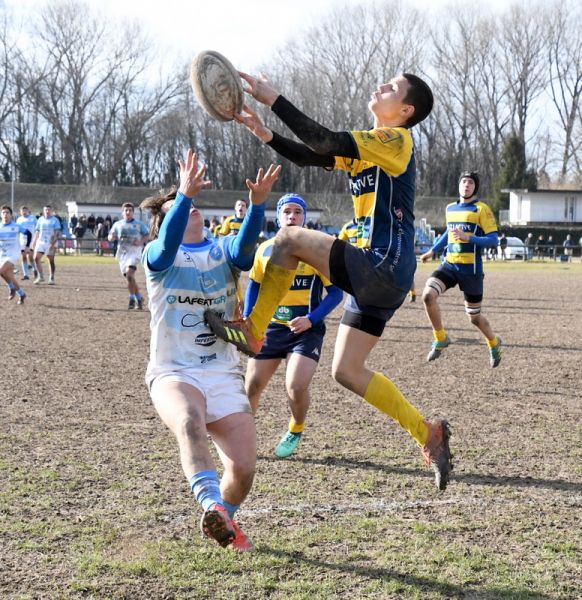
(90, 480)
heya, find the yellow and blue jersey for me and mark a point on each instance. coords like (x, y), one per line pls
(476, 219)
(382, 183)
(305, 293)
(231, 225)
(349, 232)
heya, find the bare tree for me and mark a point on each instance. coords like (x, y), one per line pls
(565, 62)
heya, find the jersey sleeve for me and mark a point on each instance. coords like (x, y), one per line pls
(487, 219)
(387, 147)
(257, 271)
(143, 229)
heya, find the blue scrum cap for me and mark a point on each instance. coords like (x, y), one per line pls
(292, 199)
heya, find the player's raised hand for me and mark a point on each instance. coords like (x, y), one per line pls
(259, 88)
(191, 176)
(251, 120)
(259, 190)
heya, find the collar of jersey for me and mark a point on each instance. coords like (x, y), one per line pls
(201, 244)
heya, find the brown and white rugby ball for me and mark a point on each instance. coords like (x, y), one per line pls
(216, 85)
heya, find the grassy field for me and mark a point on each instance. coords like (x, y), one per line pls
(93, 503)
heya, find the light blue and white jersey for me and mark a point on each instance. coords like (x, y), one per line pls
(28, 223)
(47, 228)
(200, 278)
(128, 232)
(10, 240)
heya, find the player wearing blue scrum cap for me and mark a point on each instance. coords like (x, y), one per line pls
(296, 330)
(471, 226)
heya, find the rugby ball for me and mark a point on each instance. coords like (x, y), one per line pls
(216, 85)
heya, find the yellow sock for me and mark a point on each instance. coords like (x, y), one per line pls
(276, 283)
(439, 335)
(295, 427)
(385, 396)
(492, 342)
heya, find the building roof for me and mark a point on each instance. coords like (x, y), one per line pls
(538, 191)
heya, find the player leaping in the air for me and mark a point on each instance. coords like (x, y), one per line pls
(379, 271)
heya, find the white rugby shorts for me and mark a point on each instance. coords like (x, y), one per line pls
(224, 392)
(45, 248)
(12, 258)
(128, 256)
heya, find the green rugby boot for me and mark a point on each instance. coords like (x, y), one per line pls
(288, 444)
(437, 348)
(495, 354)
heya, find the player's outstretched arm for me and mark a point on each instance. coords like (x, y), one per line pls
(241, 248)
(317, 137)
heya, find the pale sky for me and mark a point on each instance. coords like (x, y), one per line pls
(246, 31)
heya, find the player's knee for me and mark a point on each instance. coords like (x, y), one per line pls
(190, 427)
(429, 296)
(341, 372)
(474, 314)
(296, 390)
(286, 238)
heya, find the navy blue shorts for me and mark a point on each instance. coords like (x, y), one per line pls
(373, 297)
(281, 341)
(471, 285)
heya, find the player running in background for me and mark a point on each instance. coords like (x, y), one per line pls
(378, 272)
(48, 231)
(471, 226)
(231, 225)
(130, 235)
(28, 221)
(295, 332)
(194, 378)
(10, 233)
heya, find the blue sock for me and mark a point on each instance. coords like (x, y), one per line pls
(20, 292)
(206, 488)
(132, 297)
(231, 508)
(25, 269)
(10, 286)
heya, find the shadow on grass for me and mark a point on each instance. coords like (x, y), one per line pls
(448, 590)
(471, 478)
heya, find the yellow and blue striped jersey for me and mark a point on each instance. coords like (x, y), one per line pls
(349, 232)
(383, 185)
(231, 225)
(305, 293)
(475, 218)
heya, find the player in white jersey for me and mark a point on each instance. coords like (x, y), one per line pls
(28, 221)
(10, 232)
(131, 235)
(48, 231)
(195, 379)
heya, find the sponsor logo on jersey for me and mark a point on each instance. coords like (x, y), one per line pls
(201, 301)
(283, 313)
(205, 339)
(215, 252)
(207, 359)
(171, 299)
(363, 183)
(386, 136)
(301, 283)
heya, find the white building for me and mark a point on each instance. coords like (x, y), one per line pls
(543, 207)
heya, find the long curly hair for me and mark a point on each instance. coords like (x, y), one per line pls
(154, 205)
